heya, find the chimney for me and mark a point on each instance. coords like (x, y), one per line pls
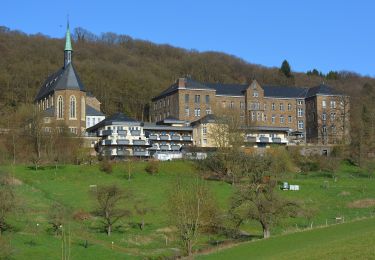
(181, 82)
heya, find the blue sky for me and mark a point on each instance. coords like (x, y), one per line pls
(327, 35)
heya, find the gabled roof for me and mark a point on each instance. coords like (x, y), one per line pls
(228, 89)
(322, 90)
(64, 78)
(90, 111)
(284, 92)
(210, 118)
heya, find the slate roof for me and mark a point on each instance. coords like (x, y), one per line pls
(210, 118)
(64, 78)
(117, 118)
(284, 92)
(228, 89)
(90, 111)
(322, 90)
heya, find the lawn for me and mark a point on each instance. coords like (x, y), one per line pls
(70, 186)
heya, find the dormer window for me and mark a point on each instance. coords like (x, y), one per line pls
(255, 94)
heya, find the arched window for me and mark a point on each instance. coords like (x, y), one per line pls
(60, 107)
(83, 109)
(73, 107)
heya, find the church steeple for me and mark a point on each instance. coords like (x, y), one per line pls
(68, 48)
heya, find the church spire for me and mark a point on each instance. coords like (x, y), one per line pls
(68, 47)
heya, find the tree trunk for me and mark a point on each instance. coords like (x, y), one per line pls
(189, 248)
(109, 229)
(266, 232)
(142, 224)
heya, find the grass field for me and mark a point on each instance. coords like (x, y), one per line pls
(70, 185)
(355, 240)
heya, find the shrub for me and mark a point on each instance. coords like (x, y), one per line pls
(105, 166)
(152, 167)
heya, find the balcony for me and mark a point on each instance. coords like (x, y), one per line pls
(139, 142)
(122, 142)
(122, 153)
(276, 140)
(186, 138)
(135, 132)
(153, 137)
(121, 132)
(176, 137)
(104, 132)
(175, 147)
(164, 137)
(164, 147)
(251, 139)
(107, 142)
(154, 147)
(141, 153)
(264, 139)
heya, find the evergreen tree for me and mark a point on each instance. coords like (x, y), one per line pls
(285, 69)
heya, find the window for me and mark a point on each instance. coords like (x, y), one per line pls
(281, 107)
(60, 107)
(265, 106)
(204, 141)
(168, 102)
(252, 116)
(333, 104)
(155, 106)
(324, 117)
(163, 102)
(324, 105)
(197, 112)
(333, 116)
(333, 129)
(300, 124)
(299, 112)
(281, 119)
(47, 103)
(207, 99)
(300, 102)
(186, 98)
(204, 130)
(273, 106)
(73, 130)
(255, 94)
(231, 104)
(72, 107)
(187, 111)
(265, 118)
(242, 105)
(324, 129)
(223, 104)
(289, 106)
(289, 119)
(83, 109)
(208, 111)
(273, 119)
(197, 99)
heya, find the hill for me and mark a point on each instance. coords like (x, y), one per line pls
(353, 240)
(117, 68)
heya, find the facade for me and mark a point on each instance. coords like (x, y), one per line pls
(291, 110)
(121, 136)
(63, 98)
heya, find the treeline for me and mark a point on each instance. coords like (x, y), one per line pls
(125, 73)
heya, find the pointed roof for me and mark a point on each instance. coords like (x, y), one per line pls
(68, 42)
(64, 78)
(322, 90)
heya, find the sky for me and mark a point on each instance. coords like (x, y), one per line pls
(322, 34)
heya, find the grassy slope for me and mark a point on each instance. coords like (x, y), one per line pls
(343, 241)
(70, 185)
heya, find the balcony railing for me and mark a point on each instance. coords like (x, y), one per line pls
(121, 132)
(276, 140)
(186, 138)
(164, 147)
(135, 132)
(123, 141)
(153, 137)
(154, 147)
(264, 139)
(175, 147)
(141, 153)
(251, 139)
(104, 132)
(176, 137)
(164, 137)
(139, 142)
(122, 153)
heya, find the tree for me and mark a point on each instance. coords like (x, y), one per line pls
(108, 200)
(285, 69)
(257, 198)
(142, 210)
(57, 217)
(191, 209)
(7, 200)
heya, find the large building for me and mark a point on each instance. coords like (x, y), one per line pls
(64, 100)
(315, 115)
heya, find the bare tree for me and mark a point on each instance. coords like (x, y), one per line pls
(109, 200)
(57, 217)
(7, 200)
(191, 208)
(257, 199)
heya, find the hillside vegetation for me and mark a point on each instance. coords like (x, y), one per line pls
(117, 68)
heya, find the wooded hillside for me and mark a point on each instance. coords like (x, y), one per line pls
(125, 73)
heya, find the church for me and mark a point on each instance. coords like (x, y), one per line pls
(64, 101)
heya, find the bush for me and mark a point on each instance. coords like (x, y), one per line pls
(105, 166)
(152, 167)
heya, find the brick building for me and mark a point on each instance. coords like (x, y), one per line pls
(63, 98)
(316, 115)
